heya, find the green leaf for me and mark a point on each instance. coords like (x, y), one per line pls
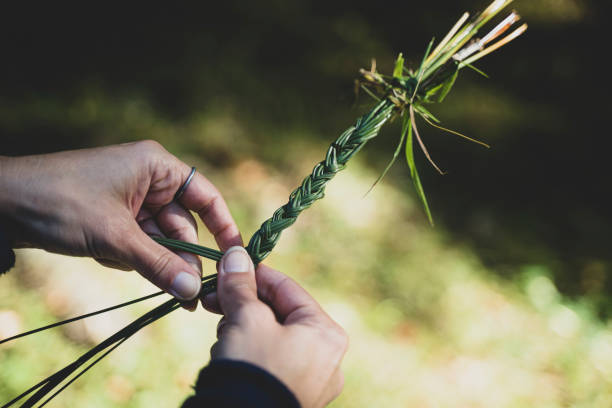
(424, 112)
(407, 129)
(421, 69)
(427, 51)
(399, 66)
(430, 93)
(391, 162)
(448, 85)
(484, 74)
(454, 132)
(365, 88)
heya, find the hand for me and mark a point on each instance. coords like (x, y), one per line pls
(103, 202)
(284, 331)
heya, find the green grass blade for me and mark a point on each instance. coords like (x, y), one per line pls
(484, 74)
(427, 51)
(419, 76)
(407, 129)
(74, 319)
(365, 88)
(454, 132)
(431, 93)
(448, 85)
(424, 112)
(398, 149)
(399, 66)
(209, 253)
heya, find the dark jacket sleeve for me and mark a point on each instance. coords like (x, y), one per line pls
(7, 256)
(228, 383)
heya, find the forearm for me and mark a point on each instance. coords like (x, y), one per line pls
(29, 201)
(7, 256)
(8, 203)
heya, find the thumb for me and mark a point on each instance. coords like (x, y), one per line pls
(236, 285)
(161, 266)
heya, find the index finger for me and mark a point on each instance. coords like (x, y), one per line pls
(203, 197)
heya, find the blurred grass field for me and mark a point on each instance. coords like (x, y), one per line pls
(429, 326)
(505, 303)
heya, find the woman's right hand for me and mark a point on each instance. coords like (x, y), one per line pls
(270, 321)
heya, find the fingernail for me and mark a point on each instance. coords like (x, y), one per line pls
(185, 286)
(236, 259)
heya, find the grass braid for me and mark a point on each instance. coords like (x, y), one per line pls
(313, 186)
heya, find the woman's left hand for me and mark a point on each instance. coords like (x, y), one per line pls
(105, 202)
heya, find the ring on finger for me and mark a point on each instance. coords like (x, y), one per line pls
(182, 189)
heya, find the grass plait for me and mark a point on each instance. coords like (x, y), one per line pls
(313, 186)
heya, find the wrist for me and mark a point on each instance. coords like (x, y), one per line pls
(18, 199)
(7, 209)
(7, 256)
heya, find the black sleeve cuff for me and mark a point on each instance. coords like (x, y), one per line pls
(229, 383)
(7, 256)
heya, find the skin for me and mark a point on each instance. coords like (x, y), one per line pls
(270, 321)
(105, 203)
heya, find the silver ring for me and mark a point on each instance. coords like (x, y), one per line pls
(181, 190)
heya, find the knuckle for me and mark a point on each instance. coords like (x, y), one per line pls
(261, 311)
(150, 150)
(247, 308)
(177, 231)
(150, 145)
(209, 205)
(240, 288)
(158, 270)
(252, 314)
(240, 305)
(336, 337)
(142, 156)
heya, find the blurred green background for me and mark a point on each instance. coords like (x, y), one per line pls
(505, 303)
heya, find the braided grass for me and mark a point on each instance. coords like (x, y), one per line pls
(313, 186)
